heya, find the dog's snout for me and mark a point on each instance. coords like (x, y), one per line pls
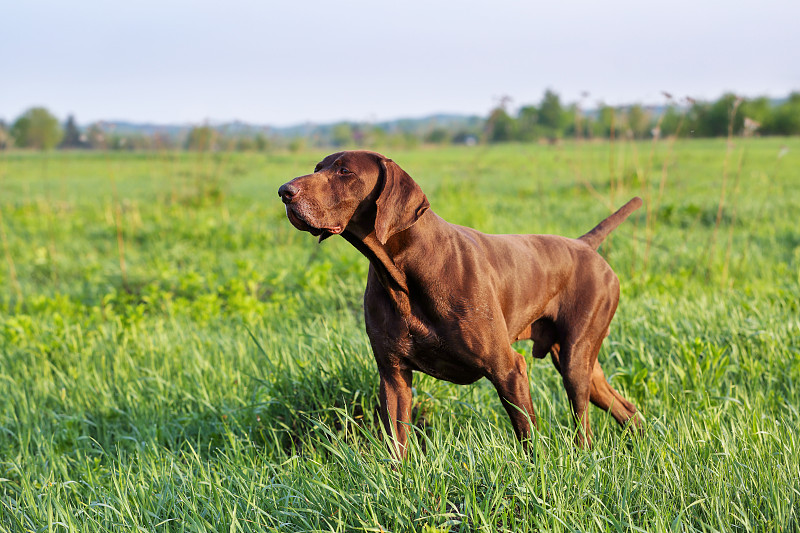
(287, 192)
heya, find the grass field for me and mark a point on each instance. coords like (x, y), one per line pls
(175, 356)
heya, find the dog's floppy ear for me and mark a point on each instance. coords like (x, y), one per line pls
(400, 203)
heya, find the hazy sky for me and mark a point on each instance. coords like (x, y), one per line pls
(288, 62)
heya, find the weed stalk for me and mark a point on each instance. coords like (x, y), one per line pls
(12, 271)
(117, 207)
(653, 212)
(721, 204)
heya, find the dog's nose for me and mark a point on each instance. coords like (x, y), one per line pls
(287, 192)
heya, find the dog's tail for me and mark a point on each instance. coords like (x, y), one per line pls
(596, 237)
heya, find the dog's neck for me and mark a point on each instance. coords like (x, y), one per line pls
(383, 258)
(391, 277)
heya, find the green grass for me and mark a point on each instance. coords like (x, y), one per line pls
(174, 355)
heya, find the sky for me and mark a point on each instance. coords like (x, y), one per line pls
(284, 63)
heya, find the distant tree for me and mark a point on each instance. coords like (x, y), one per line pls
(96, 136)
(697, 123)
(5, 137)
(260, 142)
(577, 125)
(569, 121)
(638, 121)
(785, 118)
(711, 119)
(722, 114)
(551, 115)
(72, 135)
(437, 136)
(528, 123)
(202, 139)
(757, 109)
(606, 124)
(672, 121)
(36, 128)
(500, 127)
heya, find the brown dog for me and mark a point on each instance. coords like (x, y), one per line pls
(449, 301)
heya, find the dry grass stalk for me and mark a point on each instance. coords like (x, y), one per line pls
(12, 271)
(117, 207)
(721, 204)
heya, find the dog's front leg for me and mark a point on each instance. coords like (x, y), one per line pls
(395, 396)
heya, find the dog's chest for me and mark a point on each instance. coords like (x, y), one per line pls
(442, 335)
(443, 365)
(442, 360)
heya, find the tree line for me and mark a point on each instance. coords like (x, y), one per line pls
(728, 115)
(549, 120)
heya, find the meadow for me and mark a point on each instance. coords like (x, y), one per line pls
(175, 356)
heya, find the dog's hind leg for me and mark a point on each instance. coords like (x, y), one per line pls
(574, 362)
(603, 395)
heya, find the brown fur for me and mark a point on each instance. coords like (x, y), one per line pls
(449, 300)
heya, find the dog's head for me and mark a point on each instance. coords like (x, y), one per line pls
(358, 190)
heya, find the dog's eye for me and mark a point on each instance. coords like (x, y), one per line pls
(343, 171)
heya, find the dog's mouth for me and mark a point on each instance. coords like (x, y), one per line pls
(300, 223)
